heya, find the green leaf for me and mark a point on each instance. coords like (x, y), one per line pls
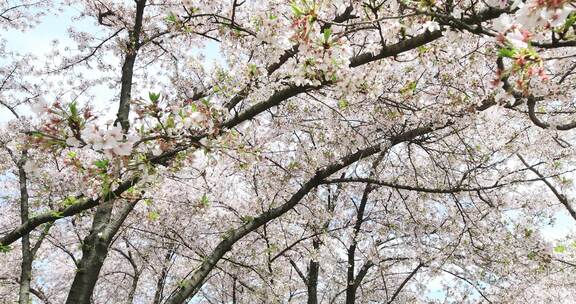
(565, 181)
(69, 201)
(327, 33)
(296, 10)
(427, 3)
(408, 88)
(153, 215)
(293, 165)
(170, 122)
(171, 18)
(37, 134)
(57, 214)
(73, 109)
(252, 69)
(148, 201)
(560, 249)
(131, 190)
(105, 185)
(334, 77)
(5, 248)
(101, 164)
(204, 202)
(342, 104)
(568, 24)
(506, 52)
(153, 96)
(72, 154)
(422, 49)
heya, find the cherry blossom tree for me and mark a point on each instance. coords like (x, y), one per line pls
(351, 151)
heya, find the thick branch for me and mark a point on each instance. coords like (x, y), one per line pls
(76, 208)
(128, 67)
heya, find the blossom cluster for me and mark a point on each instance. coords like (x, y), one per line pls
(516, 33)
(324, 56)
(547, 13)
(111, 141)
(69, 126)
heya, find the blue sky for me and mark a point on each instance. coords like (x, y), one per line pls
(54, 26)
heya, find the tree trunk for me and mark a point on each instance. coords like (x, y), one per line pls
(27, 256)
(312, 282)
(94, 251)
(95, 245)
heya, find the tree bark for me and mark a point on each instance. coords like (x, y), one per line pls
(26, 266)
(312, 281)
(128, 67)
(94, 251)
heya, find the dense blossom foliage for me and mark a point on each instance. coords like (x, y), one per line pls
(305, 151)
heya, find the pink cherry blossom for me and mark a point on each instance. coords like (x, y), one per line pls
(287, 151)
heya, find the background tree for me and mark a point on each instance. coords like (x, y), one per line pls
(334, 152)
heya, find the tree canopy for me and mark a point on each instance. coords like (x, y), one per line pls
(305, 151)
